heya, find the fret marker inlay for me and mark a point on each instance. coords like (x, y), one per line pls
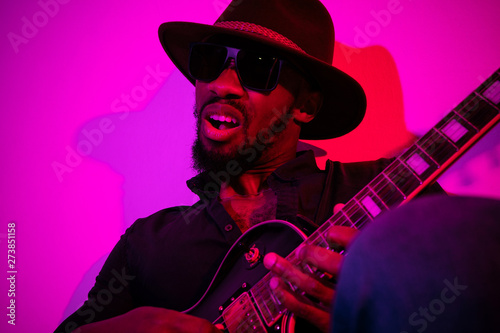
(454, 130)
(493, 92)
(371, 206)
(417, 163)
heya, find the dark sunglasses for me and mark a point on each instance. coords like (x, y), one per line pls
(256, 70)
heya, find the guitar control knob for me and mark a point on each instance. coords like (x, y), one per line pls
(253, 255)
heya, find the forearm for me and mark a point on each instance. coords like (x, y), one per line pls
(115, 324)
(149, 319)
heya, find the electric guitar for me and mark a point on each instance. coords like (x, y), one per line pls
(239, 297)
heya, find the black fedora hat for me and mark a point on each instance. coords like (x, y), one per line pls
(303, 32)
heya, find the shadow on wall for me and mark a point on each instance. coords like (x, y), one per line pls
(383, 131)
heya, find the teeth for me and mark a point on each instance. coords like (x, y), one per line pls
(223, 118)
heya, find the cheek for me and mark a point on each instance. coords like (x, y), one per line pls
(269, 110)
(200, 91)
(279, 99)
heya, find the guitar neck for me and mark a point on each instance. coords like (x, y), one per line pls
(404, 178)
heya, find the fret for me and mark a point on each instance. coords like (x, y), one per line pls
(388, 193)
(371, 202)
(291, 286)
(457, 129)
(356, 213)
(363, 208)
(318, 237)
(376, 196)
(422, 165)
(323, 229)
(402, 177)
(341, 219)
(476, 111)
(437, 146)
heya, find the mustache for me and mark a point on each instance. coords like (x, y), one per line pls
(234, 103)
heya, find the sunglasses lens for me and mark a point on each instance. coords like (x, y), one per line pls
(206, 61)
(258, 71)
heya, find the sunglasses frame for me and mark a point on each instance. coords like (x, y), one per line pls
(232, 53)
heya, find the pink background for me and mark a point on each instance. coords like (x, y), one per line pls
(92, 140)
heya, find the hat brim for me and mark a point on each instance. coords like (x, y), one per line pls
(344, 101)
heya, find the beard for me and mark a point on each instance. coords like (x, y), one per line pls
(216, 160)
(205, 160)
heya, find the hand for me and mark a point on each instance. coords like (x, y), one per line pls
(149, 319)
(325, 261)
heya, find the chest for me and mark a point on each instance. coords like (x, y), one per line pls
(250, 210)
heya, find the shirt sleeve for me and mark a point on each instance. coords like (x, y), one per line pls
(111, 295)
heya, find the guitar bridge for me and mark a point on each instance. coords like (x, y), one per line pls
(242, 316)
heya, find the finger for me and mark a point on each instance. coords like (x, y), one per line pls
(300, 306)
(323, 259)
(307, 283)
(338, 207)
(341, 235)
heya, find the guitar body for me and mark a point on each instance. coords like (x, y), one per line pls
(228, 299)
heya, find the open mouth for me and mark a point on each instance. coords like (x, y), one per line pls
(222, 122)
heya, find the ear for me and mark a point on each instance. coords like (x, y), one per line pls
(307, 106)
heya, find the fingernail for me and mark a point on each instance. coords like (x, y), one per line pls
(270, 260)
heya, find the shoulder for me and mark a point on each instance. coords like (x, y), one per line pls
(355, 174)
(356, 169)
(168, 218)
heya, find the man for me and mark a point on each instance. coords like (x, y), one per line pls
(263, 79)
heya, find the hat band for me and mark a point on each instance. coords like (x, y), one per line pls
(260, 30)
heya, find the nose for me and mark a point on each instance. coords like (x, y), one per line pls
(227, 85)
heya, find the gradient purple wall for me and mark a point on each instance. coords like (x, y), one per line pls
(96, 123)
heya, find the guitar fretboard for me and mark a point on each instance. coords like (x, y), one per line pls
(404, 178)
